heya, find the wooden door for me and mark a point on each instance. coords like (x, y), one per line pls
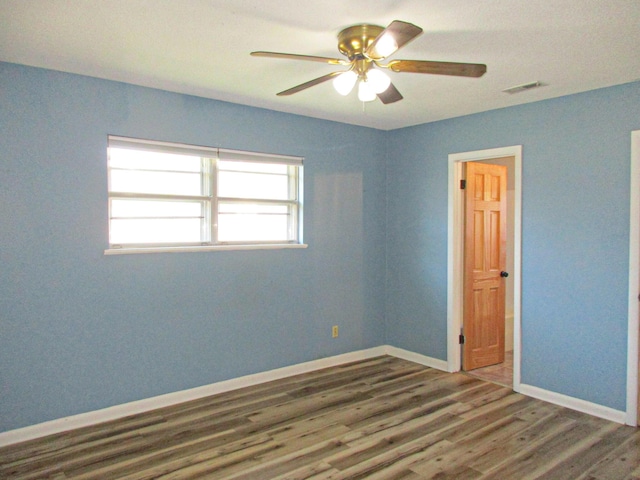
(484, 264)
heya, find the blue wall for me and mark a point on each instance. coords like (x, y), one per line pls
(81, 331)
(575, 235)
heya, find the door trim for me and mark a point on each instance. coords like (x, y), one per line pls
(455, 249)
(634, 283)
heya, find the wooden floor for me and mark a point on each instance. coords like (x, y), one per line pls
(383, 418)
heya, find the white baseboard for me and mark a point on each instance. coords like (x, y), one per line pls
(124, 410)
(416, 358)
(583, 406)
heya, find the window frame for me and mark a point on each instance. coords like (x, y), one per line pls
(210, 201)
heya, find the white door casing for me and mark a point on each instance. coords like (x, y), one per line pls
(633, 354)
(455, 272)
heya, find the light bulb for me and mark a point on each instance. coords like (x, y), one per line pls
(345, 82)
(365, 91)
(386, 45)
(379, 80)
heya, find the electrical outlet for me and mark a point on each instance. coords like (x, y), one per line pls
(334, 331)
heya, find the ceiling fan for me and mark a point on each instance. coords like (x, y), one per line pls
(365, 47)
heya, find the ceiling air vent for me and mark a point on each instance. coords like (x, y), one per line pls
(523, 87)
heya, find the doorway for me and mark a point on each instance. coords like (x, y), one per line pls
(487, 327)
(512, 156)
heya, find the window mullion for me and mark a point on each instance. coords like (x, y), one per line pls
(293, 194)
(156, 196)
(256, 201)
(213, 203)
(205, 168)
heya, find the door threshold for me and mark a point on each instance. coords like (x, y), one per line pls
(500, 373)
(490, 379)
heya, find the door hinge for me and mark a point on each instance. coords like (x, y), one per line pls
(463, 184)
(461, 339)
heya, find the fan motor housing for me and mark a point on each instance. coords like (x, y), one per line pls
(353, 41)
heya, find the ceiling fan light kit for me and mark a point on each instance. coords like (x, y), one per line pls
(379, 80)
(365, 47)
(345, 82)
(375, 81)
(366, 92)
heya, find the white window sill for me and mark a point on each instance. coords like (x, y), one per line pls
(202, 248)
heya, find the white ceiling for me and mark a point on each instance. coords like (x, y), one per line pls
(201, 47)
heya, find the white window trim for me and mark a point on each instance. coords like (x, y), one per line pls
(222, 154)
(203, 248)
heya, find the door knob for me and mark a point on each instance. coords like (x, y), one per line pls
(504, 274)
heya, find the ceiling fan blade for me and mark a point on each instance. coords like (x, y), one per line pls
(390, 95)
(401, 32)
(310, 83)
(293, 56)
(438, 68)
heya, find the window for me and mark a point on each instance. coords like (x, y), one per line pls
(167, 196)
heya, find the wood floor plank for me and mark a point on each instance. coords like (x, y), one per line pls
(459, 457)
(531, 437)
(398, 437)
(532, 463)
(292, 461)
(215, 444)
(573, 467)
(405, 424)
(621, 463)
(377, 419)
(308, 472)
(395, 460)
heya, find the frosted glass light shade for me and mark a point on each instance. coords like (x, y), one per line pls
(365, 92)
(345, 82)
(379, 80)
